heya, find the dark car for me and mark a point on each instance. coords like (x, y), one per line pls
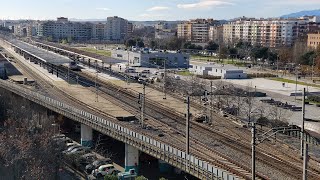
(86, 159)
(96, 164)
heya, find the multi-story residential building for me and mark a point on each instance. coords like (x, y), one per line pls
(314, 40)
(164, 31)
(216, 34)
(196, 30)
(184, 31)
(267, 32)
(98, 31)
(64, 29)
(162, 26)
(199, 32)
(130, 29)
(117, 29)
(228, 33)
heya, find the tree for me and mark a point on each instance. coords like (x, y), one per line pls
(260, 52)
(233, 52)
(285, 55)
(223, 52)
(134, 42)
(175, 43)
(26, 148)
(212, 46)
(189, 45)
(307, 58)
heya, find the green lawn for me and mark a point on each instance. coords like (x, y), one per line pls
(293, 82)
(96, 51)
(184, 73)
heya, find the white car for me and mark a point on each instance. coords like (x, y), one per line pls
(103, 170)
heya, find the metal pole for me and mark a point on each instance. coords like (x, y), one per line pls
(305, 163)
(312, 69)
(142, 105)
(68, 75)
(253, 143)
(295, 94)
(206, 105)
(187, 125)
(96, 86)
(303, 117)
(211, 102)
(164, 84)
(277, 64)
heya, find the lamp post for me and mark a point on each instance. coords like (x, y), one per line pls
(165, 80)
(312, 68)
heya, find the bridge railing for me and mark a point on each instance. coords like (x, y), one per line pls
(171, 155)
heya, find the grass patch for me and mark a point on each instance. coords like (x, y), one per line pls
(96, 51)
(294, 82)
(222, 61)
(184, 73)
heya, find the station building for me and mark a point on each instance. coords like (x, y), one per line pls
(225, 72)
(152, 59)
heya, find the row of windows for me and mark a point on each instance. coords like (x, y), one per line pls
(314, 43)
(314, 37)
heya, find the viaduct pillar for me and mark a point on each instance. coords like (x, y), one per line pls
(131, 158)
(86, 135)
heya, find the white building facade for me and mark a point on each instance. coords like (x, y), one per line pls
(152, 59)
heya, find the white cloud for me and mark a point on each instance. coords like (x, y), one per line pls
(158, 8)
(103, 9)
(204, 4)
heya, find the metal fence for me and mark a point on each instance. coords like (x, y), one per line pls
(171, 155)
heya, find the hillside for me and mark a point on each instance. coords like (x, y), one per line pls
(303, 13)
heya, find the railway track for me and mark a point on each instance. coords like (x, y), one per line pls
(179, 119)
(245, 148)
(291, 159)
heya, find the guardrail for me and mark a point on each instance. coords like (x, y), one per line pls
(188, 163)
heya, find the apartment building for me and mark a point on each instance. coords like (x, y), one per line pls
(64, 29)
(196, 30)
(98, 31)
(314, 40)
(267, 32)
(184, 31)
(216, 34)
(117, 29)
(164, 31)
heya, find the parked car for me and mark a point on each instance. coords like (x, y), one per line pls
(97, 163)
(141, 81)
(177, 77)
(103, 170)
(84, 160)
(146, 71)
(71, 148)
(78, 150)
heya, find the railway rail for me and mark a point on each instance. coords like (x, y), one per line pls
(179, 119)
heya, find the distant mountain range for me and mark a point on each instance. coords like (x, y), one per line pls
(303, 13)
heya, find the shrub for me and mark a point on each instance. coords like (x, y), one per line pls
(314, 99)
(110, 177)
(208, 77)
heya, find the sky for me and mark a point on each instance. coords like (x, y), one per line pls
(142, 10)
